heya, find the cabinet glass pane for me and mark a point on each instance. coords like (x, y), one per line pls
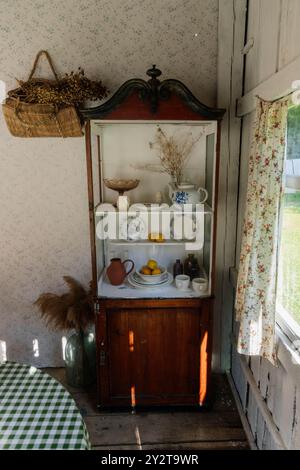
(122, 150)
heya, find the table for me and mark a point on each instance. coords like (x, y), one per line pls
(37, 412)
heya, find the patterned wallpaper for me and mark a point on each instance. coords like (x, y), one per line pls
(44, 230)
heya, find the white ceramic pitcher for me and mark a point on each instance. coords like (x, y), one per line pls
(186, 193)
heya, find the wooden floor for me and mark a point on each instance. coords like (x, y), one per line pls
(219, 428)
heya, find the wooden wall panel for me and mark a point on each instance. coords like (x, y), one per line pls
(251, 413)
(264, 377)
(252, 409)
(289, 45)
(232, 19)
(274, 27)
(273, 63)
(253, 27)
(260, 430)
(239, 379)
(275, 393)
(284, 404)
(269, 21)
(267, 28)
(236, 370)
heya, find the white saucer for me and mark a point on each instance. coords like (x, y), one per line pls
(166, 282)
(139, 280)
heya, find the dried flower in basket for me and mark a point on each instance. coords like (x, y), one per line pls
(73, 89)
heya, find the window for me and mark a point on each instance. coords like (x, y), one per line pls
(288, 288)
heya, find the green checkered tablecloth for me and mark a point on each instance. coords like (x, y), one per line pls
(36, 412)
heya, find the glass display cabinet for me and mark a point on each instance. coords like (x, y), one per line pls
(153, 332)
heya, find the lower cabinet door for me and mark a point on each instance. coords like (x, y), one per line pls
(154, 356)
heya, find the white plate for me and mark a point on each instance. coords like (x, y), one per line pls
(139, 280)
(133, 283)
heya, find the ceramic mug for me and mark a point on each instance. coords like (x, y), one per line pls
(182, 281)
(200, 285)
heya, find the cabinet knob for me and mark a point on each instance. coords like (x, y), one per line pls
(102, 343)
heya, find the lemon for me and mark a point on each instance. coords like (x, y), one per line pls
(146, 270)
(152, 264)
(156, 271)
(156, 237)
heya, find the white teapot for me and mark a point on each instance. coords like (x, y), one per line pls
(186, 193)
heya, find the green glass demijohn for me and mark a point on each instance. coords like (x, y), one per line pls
(80, 359)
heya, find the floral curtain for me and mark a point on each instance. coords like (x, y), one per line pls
(256, 289)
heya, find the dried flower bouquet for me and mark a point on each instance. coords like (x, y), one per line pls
(174, 152)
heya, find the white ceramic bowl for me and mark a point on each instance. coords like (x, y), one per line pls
(153, 277)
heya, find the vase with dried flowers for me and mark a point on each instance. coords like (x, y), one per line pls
(69, 311)
(174, 152)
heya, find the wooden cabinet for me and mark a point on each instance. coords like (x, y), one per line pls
(153, 352)
(153, 347)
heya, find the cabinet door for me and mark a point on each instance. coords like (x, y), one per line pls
(154, 355)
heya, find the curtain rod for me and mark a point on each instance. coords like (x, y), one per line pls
(276, 99)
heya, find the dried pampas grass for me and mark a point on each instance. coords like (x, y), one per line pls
(73, 310)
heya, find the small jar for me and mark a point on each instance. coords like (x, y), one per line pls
(177, 268)
(191, 266)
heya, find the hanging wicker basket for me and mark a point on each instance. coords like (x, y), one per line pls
(40, 120)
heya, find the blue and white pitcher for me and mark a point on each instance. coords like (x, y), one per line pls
(186, 193)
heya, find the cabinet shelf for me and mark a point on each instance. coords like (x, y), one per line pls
(149, 243)
(126, 291)
(103, 208)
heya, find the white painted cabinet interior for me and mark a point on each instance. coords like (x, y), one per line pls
(125, 151)
(128, 154)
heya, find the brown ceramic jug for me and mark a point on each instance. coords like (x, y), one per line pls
(116, 271)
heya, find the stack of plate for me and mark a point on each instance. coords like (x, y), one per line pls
(135, 280)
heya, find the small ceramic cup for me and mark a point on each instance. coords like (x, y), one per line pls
(200, 285)
(182, 281)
